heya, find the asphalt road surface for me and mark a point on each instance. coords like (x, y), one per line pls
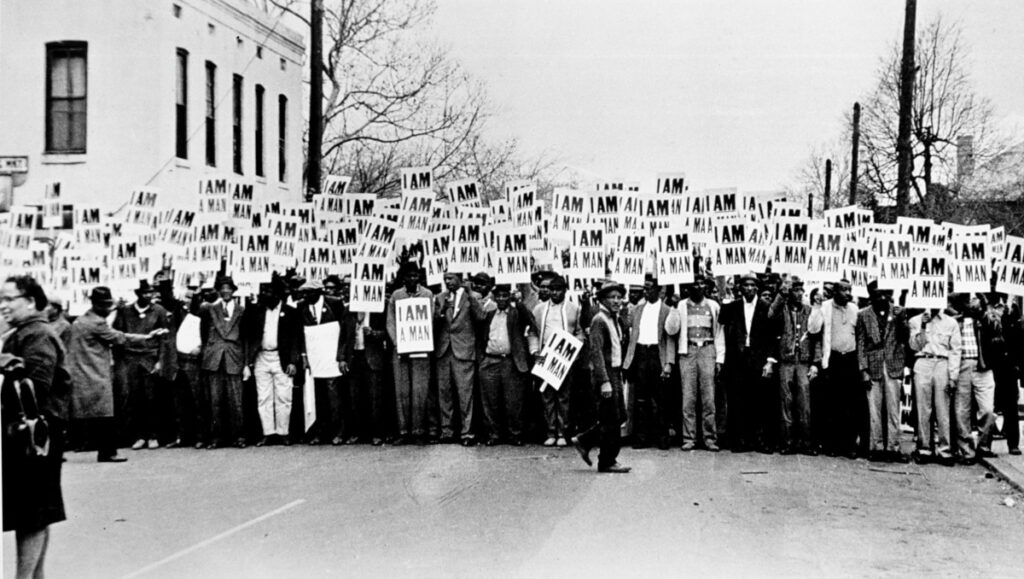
(448, 511)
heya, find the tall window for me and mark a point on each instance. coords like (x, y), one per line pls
(236, 123)
(282, 126)
(181, 106)
(65, 96)
(211, 114)
(259, 130)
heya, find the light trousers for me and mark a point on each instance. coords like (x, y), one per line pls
(884, 412)
(273, 393)
(931, 378)
(979, 386)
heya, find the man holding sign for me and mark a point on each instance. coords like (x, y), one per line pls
(412, 362)
(457, 312)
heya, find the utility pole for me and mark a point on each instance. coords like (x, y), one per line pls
(904, 158)
(810, 205)
(855, 154)
(828, 185)
(316, 97)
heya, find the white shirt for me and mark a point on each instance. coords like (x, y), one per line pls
(648, 335)
(748, 315)
(317, 308)
(364, 322)
(457, 299)
(554, 319)
(142, 311)
(229, 308)
(270, 328)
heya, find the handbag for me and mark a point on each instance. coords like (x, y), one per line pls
(29, 432)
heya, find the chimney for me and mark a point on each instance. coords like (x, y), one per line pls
(964, 158)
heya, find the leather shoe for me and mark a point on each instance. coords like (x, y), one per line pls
(492, 442)
(261, 442)
(1015, 451)
(337, 441)
(174, 443)
(549, 441)
(139, 444)
(584, 451)
(560, 443)
(986, 453)
(711, 447)
(199, 446)
(114, 458)
(467, 442)
(377, 441)
(614, 468)
(687, 446)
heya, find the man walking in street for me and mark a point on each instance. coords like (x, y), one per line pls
(606, 344)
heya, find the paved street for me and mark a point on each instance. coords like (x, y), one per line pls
(448, 511)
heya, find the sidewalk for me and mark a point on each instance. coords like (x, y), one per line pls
(1005, 466)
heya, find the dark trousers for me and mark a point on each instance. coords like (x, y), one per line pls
(1006, 402)
(371, 416)
(502, 389)
(455, 381)
(328, 422)
(102, 433)
(649, 404)
(794, 401)
(139, 410)
(751, 413)
(846, 405)
(606, 432)
(191, 402)
(412, 393)
(226, 416)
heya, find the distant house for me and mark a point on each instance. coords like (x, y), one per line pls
(106, 96)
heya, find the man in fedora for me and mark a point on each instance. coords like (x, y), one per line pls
(606, 345)
(416, 419)
(273, 345)
(223, 360)
(137, 367)
(334, 412)
(88, 363)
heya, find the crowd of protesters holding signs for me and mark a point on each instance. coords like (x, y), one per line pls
(710, 320)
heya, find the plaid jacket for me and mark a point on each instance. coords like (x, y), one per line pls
(874, 348)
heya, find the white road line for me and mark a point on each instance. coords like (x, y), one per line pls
(213, 539)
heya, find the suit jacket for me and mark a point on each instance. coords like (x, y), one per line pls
(334, 310)
(794, 340)
(734, 327)
(518, 322)
(375, 342)
(455, 330)
(222, 337)
(666, 352)
(877, 349)
(290, 337)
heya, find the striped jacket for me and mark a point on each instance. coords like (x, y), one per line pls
(875, 347)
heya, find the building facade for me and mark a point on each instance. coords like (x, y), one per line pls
(108, 96)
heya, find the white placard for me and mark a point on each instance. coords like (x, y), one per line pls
(414, 325)
(322, 349)
(559, 353)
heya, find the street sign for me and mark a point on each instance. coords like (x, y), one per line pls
(13, 164)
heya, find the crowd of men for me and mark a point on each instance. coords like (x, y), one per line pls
(751, 364)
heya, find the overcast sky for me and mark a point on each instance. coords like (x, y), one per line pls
(734, 93)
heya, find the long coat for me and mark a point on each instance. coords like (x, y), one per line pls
(88, 362)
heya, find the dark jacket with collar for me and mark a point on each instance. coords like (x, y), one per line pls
(735, 327)
(222, 337)
(290, 337)
(334, 310)
(455, 329)
(878, 348)
(518, 321)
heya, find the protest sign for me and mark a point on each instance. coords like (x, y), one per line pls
(557, 357)
(824, 253)
(671, 184)
(730, 249)
(367, 291)
(464, 192)
(284, 240)
(416, 179)
(466, 248)
(674, 259)
(252, 263)
(336, 185)
(414, 325)
(860, 266)
(568, 208)
(758, 246)
(378, 238)
(928, 288)
(849, 219)
(790, 244)
(414, 215)
(322, 349)
(630, 262)
(319, 259)
(587, 252)
(1011, 268)
(971, 263)
(53, 214)
(141, 215)
(895, 261)
(512, 255)
(214, 197)
(241, 193)
(436, 251)
(924, 234)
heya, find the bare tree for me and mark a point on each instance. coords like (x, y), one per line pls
(945, 108)
(809, 178)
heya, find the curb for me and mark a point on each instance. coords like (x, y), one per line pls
(1006, 472)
